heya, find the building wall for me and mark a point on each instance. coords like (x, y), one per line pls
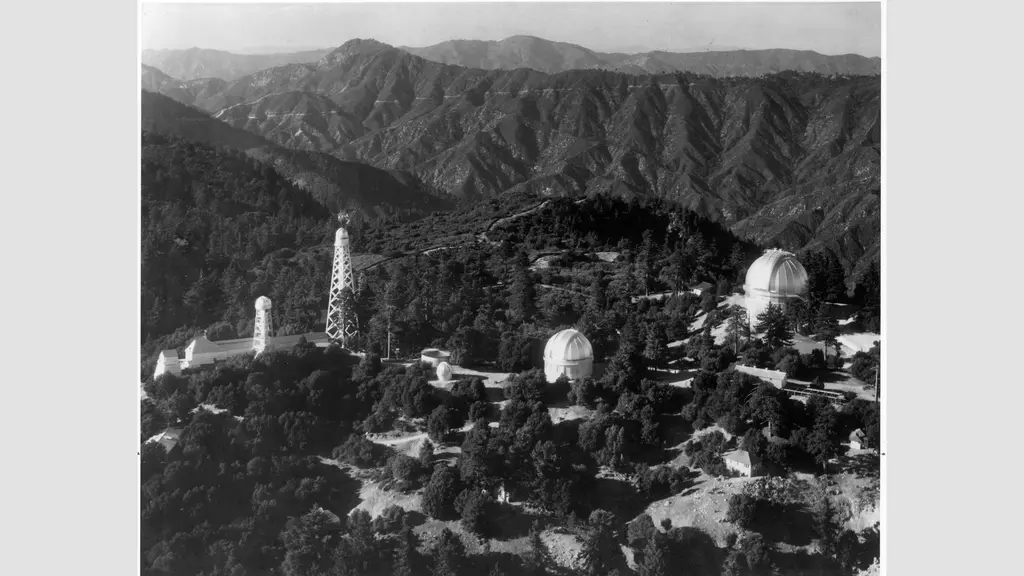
(167, 366)
(737, 466)
(757, 301)
(774, 377)
(573, 370)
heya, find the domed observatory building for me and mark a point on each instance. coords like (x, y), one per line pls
(444, 372)
(568, 353)
(774, 278)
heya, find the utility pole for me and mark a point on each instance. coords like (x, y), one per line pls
(878, 392)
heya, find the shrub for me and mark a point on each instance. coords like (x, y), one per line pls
(470, 391)
(477, 510)
(478, 410)
(442, 421)
(390, 520)
(583, 392)
(360, 452)
(404, 470)
(640, 530)
(440, 493)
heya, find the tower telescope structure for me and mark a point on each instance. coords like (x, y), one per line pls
(264, 329)
(340, 321)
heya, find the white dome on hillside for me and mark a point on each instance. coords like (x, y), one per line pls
(444, 371)
(568, 353)
(777, 272)
(773, 279)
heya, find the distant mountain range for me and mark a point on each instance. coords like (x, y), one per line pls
(202, 63)
(789, 159)
(553, 57)
(530, 52)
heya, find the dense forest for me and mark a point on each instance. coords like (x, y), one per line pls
(265, 483)
(240, 493)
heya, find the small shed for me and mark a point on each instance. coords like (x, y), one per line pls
(739, 461)
(167, 362)
(858, 440)
(699, 289)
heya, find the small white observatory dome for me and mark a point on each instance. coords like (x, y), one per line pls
(444, 371)
(263, 303)
(340, 237)
(568, 353)
(774, 278)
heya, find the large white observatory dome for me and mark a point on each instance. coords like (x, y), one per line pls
(774, 278)
(777, 272)
(568, 353)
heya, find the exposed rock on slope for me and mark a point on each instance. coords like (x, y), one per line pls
(789, 159)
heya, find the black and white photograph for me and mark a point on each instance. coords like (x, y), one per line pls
(511, 288)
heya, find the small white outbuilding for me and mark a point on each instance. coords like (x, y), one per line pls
(568, 353)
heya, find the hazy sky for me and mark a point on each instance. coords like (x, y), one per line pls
(828, 28)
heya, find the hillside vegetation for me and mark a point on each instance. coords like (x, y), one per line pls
(789, 159)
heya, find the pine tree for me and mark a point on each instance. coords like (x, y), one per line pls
(644, 261)
(522, 297)
(534, 558)
(426, 454)
(836, 280)
(406, 558)
(598, 293)
(828, 328)
(655, 562)
(676, 269)
(450, 555)
(775, 327)
(824, 520)
(656, 344)
(737, 329)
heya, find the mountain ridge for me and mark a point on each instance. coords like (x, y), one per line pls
(337, 184)
(788, 159)
(195, 63)
(552, 57)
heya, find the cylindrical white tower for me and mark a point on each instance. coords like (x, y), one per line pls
(263, 333)
(340, 320)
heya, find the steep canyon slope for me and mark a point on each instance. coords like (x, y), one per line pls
(789, 159)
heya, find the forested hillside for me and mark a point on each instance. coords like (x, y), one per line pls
(789, 158)
(364, 191)
(210, 217)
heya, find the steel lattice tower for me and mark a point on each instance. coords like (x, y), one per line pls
(340, 325)
(264, 330)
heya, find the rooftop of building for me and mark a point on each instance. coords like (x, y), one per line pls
(740, 456)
